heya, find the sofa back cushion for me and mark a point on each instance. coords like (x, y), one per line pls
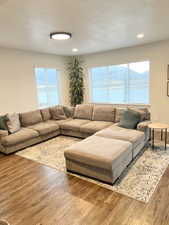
(103, 113)
(145, 114)
(13, 122)
(57, 113)
(30, 118)
(83, 111)
(69, 111)
(45, 114)
(119, 114)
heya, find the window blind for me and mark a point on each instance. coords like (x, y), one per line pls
(47, 87)
(121, 84)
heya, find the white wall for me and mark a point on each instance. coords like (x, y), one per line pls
(17, 79)
(18, 87)
(158, 55)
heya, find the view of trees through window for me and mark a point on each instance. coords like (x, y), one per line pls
(126, 83)
(47, 87)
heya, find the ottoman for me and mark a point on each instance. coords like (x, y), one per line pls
(135, 137)
(99, 157)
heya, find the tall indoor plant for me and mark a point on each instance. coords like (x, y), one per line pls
(76, 80)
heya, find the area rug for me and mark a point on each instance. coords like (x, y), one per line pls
(138, 181)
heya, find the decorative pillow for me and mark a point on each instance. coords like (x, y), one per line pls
(57, 113)
(130, 119)
(46, 114)
(3, 121)
(13, 123)
(30, 118)
(83, 111)
(143, 112)
(103, 113)
(69, 111)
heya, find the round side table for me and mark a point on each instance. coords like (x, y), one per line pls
(158, 126)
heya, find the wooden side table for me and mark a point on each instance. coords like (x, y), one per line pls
(158, 126)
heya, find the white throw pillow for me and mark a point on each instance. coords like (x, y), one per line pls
(13, 122)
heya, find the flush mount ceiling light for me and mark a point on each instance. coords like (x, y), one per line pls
(75, 50)
(139, 36)
(60, 35)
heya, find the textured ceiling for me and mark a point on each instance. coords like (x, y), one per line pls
(96, 25)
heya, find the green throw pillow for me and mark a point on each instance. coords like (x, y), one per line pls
(130, 119)
(3, 120)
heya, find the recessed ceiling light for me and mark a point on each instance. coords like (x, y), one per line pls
(60, 35)
(75, 50)
(139, 36)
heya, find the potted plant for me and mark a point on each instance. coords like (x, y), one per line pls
(76, 80)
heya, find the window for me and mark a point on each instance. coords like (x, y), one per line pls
(121, 84)
(47, 86)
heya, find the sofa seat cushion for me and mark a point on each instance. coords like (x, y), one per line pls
(73, 124)
(45, 127)
(115, 132)
(59, 122)
(94, 126)
(24, 134)
(100, 152)
(103, 113)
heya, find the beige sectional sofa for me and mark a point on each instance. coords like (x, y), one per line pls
(105, 152)
(34, 129)
(108, 148)
(88, 119)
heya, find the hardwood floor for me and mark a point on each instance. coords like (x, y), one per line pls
(31, 193)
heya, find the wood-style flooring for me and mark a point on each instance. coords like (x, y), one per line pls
(31, 193)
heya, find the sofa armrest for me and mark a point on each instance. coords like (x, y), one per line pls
(3, 133)
(143, 126)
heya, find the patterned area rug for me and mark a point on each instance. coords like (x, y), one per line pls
(138, 181)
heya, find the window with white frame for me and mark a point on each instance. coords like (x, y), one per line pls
(120, 84)
(47, 86)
